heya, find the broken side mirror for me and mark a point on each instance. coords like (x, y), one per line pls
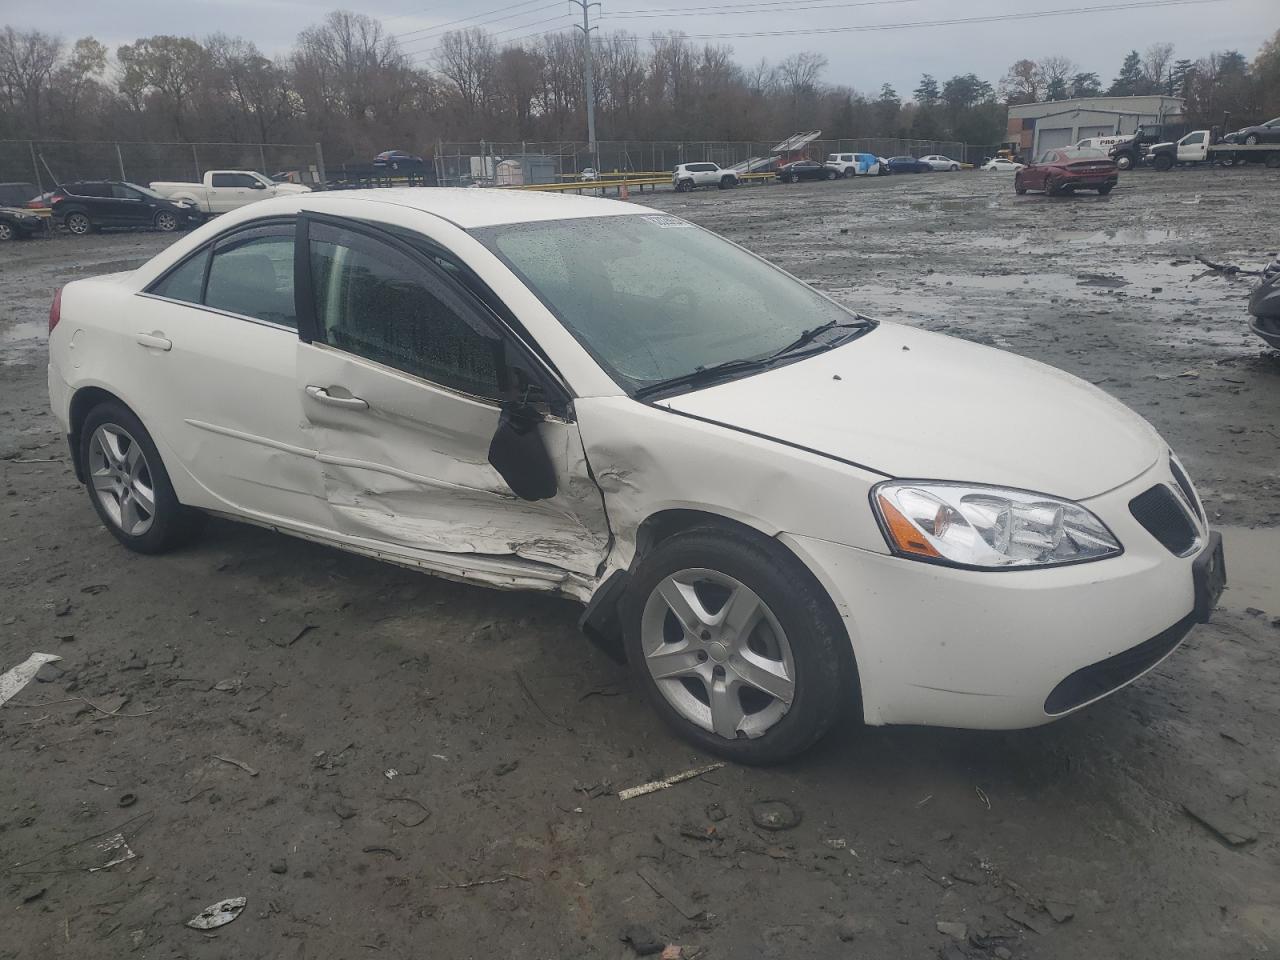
(517, 450)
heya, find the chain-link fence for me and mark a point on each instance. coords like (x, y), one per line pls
(486, 162)
(42, 162)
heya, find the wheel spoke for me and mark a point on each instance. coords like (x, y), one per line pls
(144, 497)
(726, 712)
(768, 676)
(129, 516)
(133, 457)
(673, 660)
(104, 482)
(738, 616)
(684, 603)
(109, 444)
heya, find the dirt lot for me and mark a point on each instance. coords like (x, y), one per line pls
(351, 746)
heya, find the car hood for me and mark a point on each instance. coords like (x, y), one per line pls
(907, 403)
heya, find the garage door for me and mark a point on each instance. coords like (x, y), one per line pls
(1087, 132)
(1053, 137)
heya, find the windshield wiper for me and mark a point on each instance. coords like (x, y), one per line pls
(701, 376)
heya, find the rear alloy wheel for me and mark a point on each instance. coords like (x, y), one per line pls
(849, 172)
(128, 485)
(955, 168)
(684, 186)
(6, 231)
(166, 222)
(727, 183)
(736, 646)
(78, 223)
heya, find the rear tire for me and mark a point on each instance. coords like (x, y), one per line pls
(727, 183)
(1019, 189)
(684, 186)
(128, 484)
(849, 173)
(793, 642)
(78, 224)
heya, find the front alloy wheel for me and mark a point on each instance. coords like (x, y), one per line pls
(121, 479)
(717, 653)
(6, 232)
(166, 222)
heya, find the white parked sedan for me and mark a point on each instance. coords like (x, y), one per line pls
(784, 508)
(939, 162)
(1002, 165)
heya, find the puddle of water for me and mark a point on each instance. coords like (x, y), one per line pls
(26, 330)
(1253, 568)
(1123, 235)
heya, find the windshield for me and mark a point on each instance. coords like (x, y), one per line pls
(653, 297)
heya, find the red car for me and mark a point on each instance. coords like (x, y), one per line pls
(1066, 170)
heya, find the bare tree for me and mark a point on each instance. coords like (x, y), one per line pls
(27, 62)
(1155, 66)
(466, 59)
(1023, 83)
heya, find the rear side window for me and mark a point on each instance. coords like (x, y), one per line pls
(254, 278)
(379, 303)
(89, 189)
(233, 180)
(186, 283)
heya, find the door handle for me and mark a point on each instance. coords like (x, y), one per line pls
(154, 341)
(324, 396)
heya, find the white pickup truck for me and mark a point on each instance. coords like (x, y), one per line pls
(224, 190)
(1198, 147)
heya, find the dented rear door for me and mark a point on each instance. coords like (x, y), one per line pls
(399, 386)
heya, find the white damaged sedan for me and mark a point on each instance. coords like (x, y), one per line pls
(782, 508)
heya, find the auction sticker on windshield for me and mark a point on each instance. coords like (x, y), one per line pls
(667, 221)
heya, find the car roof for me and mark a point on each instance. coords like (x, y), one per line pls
(481, 206)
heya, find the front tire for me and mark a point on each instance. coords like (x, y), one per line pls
(166, 222)
(128, 485)
(736, 646)
(849, 173)
(1251, 140)
(6, 232)
(832, 174)
(1163, 163)
(1124, 161)
(78, 224)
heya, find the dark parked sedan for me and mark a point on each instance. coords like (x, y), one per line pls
(398, 160)
(1268, 132)
(908, 165)
(1067, 170)
(88, 205)
(16, 222)
(805, 170)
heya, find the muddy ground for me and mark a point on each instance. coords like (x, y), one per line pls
(349, 745)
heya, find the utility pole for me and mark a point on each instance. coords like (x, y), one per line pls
(586, 29)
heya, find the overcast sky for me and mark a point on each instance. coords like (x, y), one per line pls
(1097, 41)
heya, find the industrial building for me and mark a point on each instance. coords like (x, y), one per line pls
(1036, 127)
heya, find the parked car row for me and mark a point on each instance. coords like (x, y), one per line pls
(86, 206)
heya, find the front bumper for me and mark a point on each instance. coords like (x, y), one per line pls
(987, 649)
(1268, 328)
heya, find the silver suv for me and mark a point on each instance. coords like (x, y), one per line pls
(690, 175)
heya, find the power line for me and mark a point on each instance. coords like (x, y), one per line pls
(475, 16)
(737, 9)
(426, 54)
(958, 21)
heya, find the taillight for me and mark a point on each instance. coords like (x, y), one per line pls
(55, 310)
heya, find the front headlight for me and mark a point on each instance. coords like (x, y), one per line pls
(969, 525)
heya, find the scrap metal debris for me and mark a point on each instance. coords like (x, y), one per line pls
(666, 888)
(218, 914)
(117, 848)
(653, 786)
(13, 680)
(237, 763)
